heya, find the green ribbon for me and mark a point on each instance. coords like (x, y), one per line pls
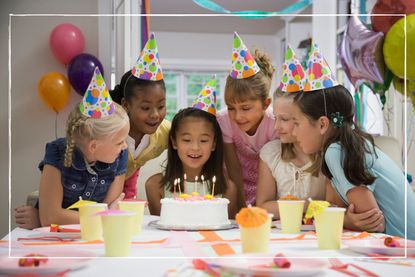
(252, 14)
(357, 104)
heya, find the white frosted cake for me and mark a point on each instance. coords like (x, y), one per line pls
(194, 211)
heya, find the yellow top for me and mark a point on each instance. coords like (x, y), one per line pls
(157, 144)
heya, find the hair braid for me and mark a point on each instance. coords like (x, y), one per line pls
(74, 124)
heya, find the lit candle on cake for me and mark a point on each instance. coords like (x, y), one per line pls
(213, 185)
(174, 188)
(195, 193)
(203, 182)
(184, 183)
(178, 183)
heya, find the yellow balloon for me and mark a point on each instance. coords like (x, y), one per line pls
(398, 84)
(54, 89)
(394, 47)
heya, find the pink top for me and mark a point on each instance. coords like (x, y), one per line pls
(248, 147)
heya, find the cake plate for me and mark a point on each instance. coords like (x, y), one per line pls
(155, 224)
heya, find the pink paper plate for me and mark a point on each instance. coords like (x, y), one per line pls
(377, 246)
(45, 231)
(249, 264)
(53, 265)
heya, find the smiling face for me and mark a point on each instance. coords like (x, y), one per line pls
(284, 122)
(247, 114)
(146, 109)
(310, 135)
(194, 142)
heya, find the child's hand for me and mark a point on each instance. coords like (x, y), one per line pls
(27, 217)
(370, 221)
(114, 204)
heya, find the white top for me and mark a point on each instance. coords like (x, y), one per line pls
(291, 179)
(143, 144)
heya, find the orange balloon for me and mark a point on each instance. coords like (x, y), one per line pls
(54, 89)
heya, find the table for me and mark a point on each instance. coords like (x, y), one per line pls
(154, 252)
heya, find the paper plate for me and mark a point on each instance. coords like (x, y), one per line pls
(45, 231)
(377, 246)
(156, 224)
(250, 264)
(53, 265)
(308, 227)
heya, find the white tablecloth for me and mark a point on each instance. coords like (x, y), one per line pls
(155, 259)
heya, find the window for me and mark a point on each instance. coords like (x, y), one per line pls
(183, 87)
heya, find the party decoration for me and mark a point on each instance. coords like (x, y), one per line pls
(394, 48)
(360, 53)
(148, 65)
(315, 207)
(80, 203)
(290, 9)
(80, 71)
(206, 100)
(243, 64)
(293, 76)
(97, 101)
(384, 23)
(66, 41)
(319, 75)
(54, 89)
(391, 242)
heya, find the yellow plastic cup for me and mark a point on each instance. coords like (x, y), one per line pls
(91, 228)
(117, 231)
(136, 206)
(329, 227)
(291, 215)
(256, 239)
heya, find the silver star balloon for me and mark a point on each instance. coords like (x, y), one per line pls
(360, 53)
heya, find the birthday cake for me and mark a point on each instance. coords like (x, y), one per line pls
(194, 212)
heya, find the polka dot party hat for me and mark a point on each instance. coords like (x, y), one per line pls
(97, 101)
(148, 66)
(206, 100)
(319, 75)
(243, 64)
(293, 76)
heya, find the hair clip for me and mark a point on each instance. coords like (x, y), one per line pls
(337, 119)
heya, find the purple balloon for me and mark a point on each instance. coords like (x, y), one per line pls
(80, 71)
(361, 54)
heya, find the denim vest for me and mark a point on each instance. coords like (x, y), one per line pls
(77, 180)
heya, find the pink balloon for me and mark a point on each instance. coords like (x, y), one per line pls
(66, 42)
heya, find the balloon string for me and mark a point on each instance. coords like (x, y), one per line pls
(56, 126)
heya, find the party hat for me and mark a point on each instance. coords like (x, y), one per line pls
(148, 66)
(206, 99)
(243, 64)
(293, 76)
(97, 101)
(319, 75)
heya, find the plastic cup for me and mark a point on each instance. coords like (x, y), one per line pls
(329, 227)
(117, 231)
(256, 239)
(91, 228)
(137, 207)
(291, 215)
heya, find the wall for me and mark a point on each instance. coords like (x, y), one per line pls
(32, 123)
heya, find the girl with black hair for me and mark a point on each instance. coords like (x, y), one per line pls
(142, 93)
(195, 149)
